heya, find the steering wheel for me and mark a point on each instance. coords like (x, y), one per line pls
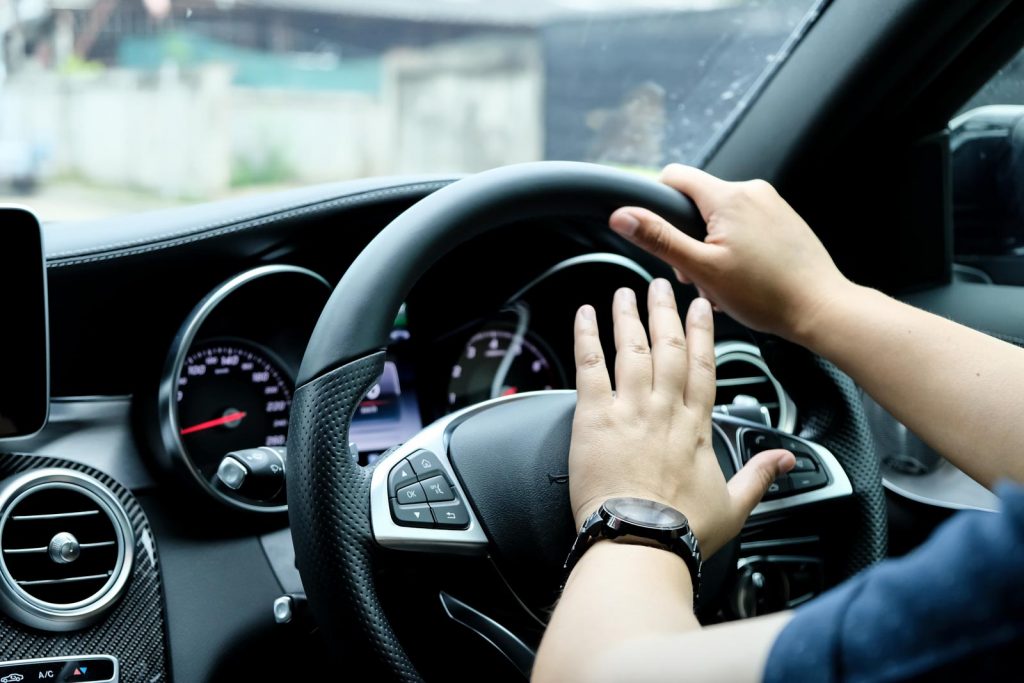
(502, 465)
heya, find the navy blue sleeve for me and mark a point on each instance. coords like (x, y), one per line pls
(953, 607)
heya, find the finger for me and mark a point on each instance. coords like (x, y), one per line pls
(632, 352)
(668, 343)
(703, 188)
(682, 278)
(592, 381)
(700, 341)
(654, 234)
(749, 485)
(704, 295)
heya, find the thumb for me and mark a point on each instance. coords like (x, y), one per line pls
(654, 234)
(749, 485)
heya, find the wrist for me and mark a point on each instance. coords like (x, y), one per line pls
(814, 321)
(655, 563)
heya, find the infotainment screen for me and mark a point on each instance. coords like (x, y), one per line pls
(24, 354)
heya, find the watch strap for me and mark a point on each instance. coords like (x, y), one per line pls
(595, 529)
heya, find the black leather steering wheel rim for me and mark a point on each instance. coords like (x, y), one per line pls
(328, 492)
(358, 317)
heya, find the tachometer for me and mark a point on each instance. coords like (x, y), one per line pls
(496, 363)
(230, 396)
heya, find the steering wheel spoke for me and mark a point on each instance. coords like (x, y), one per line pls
(416, 500)
(817, 477)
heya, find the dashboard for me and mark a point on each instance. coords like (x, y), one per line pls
(175, 340)
(174, 343)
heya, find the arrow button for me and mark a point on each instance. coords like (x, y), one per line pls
(401, 475)
(451, 515)
(412, 515)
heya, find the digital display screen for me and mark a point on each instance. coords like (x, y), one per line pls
(24, 353)
(389, 413)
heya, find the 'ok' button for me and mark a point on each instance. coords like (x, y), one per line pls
(411, 494)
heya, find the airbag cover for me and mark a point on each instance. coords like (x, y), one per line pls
(512, 460)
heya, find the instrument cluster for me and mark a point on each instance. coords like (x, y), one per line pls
(226, 393)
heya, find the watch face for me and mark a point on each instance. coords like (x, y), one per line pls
(645, 513)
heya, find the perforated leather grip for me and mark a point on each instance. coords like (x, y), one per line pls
(844, 430)
(832, 414)
(329, 510)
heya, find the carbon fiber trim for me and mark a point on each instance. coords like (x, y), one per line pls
(329, 509)
(133, 631)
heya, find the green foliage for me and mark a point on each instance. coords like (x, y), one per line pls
(269, 169)
(76, 66)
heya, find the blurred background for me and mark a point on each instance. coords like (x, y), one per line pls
(112, 106)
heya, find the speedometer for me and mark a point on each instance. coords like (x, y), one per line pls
(230, 396)
(498, 362)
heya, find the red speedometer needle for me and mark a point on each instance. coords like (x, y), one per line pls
(210, 424)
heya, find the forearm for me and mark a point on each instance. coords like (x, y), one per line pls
(627, 615)
(959, 390)
(617, 592)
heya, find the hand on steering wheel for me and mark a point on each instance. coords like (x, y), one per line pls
(760, 262)
(651, 438)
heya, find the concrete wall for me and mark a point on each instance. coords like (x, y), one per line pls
(463, 106)
(466, 106)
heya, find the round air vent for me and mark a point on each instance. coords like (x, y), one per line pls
(66, 549)
(743, 378)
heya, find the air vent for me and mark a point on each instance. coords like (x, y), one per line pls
(743, 373)
(66, 548)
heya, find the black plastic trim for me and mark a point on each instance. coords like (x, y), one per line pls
(73, 244)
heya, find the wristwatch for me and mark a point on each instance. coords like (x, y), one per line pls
(656, 524)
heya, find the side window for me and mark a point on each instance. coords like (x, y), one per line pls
(987, 155)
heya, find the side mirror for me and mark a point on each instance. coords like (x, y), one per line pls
(987, 156)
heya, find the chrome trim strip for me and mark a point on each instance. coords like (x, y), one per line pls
(606, 258)
(64, 660)
(169, 427)
(69, 579)
(737, 459)
(91, 398)
(838, 485)
(83, 546)
(749, 353)
(778, 559)
(19, 604)
(778, 542)
(55, 515)
(740, 381)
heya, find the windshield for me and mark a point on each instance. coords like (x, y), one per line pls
(114, 106)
